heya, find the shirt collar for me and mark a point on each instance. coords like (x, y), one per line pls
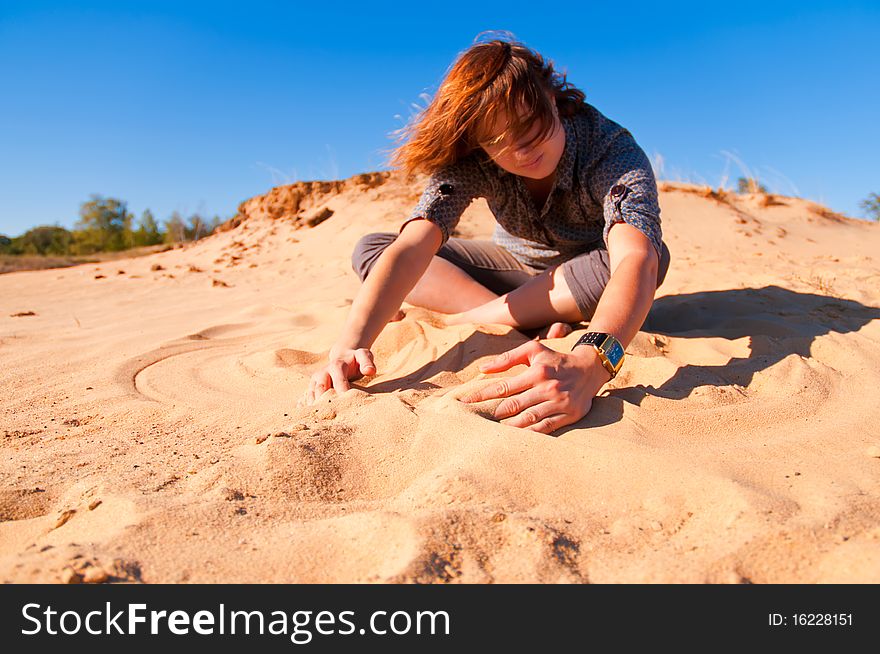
(565, 168)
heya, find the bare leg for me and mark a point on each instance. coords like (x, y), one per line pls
(446, 288)
(543, 300)
(471, 298)
(556, 330)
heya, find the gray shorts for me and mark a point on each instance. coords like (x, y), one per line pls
(498, 270)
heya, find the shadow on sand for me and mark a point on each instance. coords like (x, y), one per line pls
(778, 321)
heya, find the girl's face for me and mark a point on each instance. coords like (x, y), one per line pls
(537, 161)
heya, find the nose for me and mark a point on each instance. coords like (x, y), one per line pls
(524, 154)
(524, 157)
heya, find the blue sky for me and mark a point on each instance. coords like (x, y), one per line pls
(194, 106)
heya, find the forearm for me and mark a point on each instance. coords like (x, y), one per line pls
(393, 276)
(627, 298)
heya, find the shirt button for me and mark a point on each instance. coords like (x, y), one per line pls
(618, 191)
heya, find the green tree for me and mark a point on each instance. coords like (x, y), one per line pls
(871, 206)
(148, 232)
(175, 229)
(197, 228)
(45, 239)
(104, 225)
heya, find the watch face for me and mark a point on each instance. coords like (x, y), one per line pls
(615, 354)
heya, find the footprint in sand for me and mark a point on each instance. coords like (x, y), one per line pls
(24, 504)
(304, 320)
(289, 358)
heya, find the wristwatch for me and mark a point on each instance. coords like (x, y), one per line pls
(610, 350)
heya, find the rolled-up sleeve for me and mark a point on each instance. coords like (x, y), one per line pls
(448, 193)
(624, 182)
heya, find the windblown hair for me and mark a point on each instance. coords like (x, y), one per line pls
(497, 76)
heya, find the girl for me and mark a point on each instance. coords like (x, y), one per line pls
(577, 236)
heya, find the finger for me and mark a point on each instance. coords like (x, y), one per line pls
(501, 388)
(519, 403)
(521, 354)
(306, 396)
(322, 383)
(313, 393)
(532, 415)
(364, 359)
(338, 375)
(551, 423)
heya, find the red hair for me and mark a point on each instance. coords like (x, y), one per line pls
(489, 78)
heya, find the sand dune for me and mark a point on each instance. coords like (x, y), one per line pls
(152, 433)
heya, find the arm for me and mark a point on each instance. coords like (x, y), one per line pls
(397, 270)
(395, 273)
(625, 183)
(628, 296)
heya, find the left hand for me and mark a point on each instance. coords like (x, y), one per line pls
(557, 389)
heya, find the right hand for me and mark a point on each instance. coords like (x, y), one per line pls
(345, 364)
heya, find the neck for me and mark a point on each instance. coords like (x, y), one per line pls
(537, 184)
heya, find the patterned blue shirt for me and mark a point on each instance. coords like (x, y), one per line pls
(602, 178)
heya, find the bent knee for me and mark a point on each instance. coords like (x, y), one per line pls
(367, 250)
(663, 265)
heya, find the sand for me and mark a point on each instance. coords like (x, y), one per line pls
(151, 431)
